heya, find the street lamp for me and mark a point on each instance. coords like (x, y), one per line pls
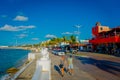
(78, 32)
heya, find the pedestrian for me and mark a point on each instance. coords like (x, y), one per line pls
(66, 64)
(70, 64)
(62, 61)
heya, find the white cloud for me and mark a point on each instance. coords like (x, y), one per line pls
(67, 33)
(50, 36)
(22, 35)
(35, 39)
(76, 32)
(15, 28)
(20, 18)
(8, 28)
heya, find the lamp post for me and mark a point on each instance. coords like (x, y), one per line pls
(78, 32)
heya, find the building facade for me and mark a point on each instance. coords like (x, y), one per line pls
(105, 39)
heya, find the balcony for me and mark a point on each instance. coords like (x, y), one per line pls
(109, 39)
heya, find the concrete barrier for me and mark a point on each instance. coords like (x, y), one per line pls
(31, 56)
(43, 66)
(43, 70)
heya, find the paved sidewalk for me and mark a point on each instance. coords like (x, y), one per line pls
(29, 71)
(78, 73)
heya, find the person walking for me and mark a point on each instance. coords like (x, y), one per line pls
(62, 61)
(66, 64)
(70, 64)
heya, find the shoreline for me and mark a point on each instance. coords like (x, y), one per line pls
(22, 62)
(18, 67)
(15, 47)
(8, 76)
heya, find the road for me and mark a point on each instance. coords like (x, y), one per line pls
(99, 66)
(89, 66)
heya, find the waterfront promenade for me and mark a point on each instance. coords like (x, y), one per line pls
(87, 66)
(78, 73)
(29, 71)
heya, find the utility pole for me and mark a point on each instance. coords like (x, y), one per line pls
(78, 32)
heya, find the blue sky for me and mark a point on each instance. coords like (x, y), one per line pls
(33, 21)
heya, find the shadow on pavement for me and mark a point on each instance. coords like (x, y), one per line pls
(108, 66)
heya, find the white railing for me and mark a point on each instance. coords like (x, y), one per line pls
(43, 70)
(31, 56)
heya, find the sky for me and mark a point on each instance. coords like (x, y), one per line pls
(34, 21)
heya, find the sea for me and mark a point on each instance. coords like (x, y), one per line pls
(11, 58)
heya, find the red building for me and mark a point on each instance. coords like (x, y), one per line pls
(105, 40)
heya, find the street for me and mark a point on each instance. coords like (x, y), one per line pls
(99, 66)
(89, 66)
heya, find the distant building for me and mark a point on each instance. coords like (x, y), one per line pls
(105, 39)
(84, 41)
(84, 45)
(3, 46)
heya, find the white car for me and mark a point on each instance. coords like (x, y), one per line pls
(60, 52)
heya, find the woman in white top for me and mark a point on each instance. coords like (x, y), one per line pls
(70, 65)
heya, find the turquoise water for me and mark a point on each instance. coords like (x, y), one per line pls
(11, 58)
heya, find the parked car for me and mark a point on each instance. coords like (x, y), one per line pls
(73, 51)
(117, 51)
(60, 52)
(54, 52)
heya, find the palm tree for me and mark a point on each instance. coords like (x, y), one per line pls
(72, 39)
(55, 41)
(64, 38)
